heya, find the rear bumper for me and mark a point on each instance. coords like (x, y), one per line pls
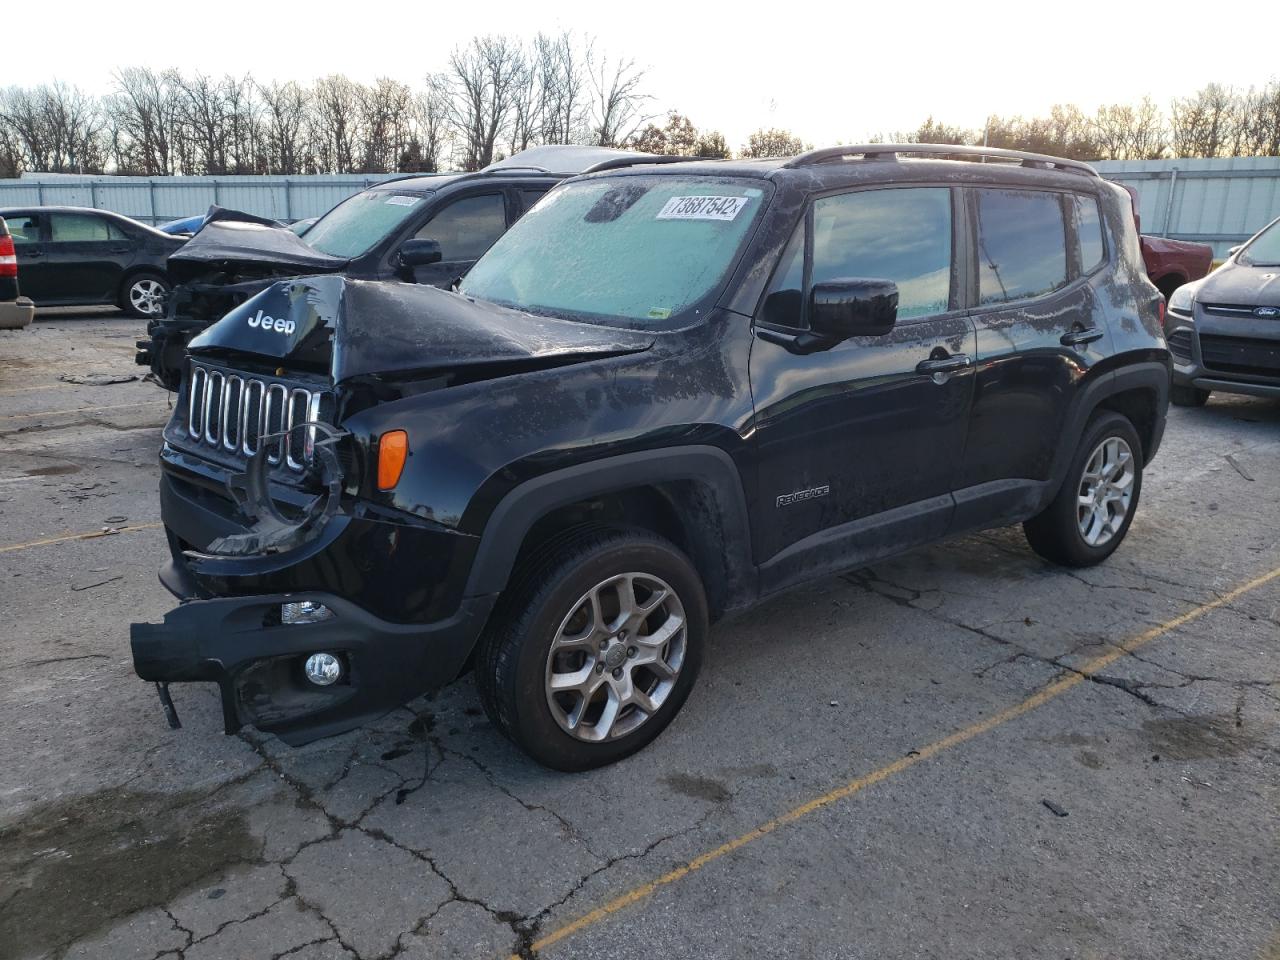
(256, 661)
(16, 314)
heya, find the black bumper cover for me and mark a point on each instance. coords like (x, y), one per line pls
(238, 643)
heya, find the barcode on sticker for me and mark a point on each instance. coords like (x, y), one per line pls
(400, 201)
(702, 208)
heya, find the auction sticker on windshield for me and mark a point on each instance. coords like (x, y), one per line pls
(702, 208)
(401, 201)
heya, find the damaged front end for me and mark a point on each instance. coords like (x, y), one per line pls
(312, 597)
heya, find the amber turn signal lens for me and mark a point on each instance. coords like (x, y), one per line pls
(393, 447)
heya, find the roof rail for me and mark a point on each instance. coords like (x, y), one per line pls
(613, 163)
(890, 151)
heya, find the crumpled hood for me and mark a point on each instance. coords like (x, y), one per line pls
(235, 238)
(381, 328)
(1237, 284)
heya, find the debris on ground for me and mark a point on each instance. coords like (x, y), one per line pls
(98, 379)
(1056, 810)
(1239, 469)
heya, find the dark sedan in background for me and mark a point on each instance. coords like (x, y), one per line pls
(1224, 330)
(78, 256)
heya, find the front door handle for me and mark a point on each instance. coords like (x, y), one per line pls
(1080, 335)
(957, 361)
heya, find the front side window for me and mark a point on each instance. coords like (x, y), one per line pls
(1022, 246)
(78, 228)
(1089, 229)
(1264, 251)
(637, 248)
(467, 228)
(358, 223)
(900, 235)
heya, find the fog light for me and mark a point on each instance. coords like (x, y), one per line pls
(307, 611)
(323, 669)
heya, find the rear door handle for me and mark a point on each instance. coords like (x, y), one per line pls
(29, 254)
(1080, 336)
(957, 361)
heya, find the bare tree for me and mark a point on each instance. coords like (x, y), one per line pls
(485, 78)
(54, 128)
(1204, 123)
(144, 123)
(563, 78)
(619, 101)
(336, 134)
(386, 120)
(285, 107)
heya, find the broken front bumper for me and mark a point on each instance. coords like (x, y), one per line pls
(240, 644)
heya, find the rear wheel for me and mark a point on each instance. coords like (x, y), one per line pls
(145, 295)
(1188, 396)
(595, 649)
(1092, 512)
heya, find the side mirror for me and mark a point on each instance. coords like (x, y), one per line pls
(420, 253)
(840, 309)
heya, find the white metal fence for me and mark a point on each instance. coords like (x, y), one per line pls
(157, 200)
(1221, 202)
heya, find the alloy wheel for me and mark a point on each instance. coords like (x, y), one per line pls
(616, 657)
(147, 297)
(1106, 491)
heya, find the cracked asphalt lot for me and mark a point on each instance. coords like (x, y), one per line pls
(983, 806)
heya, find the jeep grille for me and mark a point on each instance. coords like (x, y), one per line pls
(231, 412)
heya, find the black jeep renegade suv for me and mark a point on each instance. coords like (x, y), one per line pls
(666, 393)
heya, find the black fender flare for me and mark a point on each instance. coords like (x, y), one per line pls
(1144, 375)
(710, 467)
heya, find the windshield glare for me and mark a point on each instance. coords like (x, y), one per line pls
(636, 248)
(1265, 249)
(357, 223)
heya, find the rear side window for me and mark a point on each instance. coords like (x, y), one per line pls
(24, 230)
(467, 228)
(1089, 229)
(1022, 245)
(903, 235)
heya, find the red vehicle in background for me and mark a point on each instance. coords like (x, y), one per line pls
(1170, 263)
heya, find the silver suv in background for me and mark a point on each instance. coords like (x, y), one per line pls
(1224, 331)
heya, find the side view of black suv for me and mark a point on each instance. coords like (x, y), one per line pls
(666, 393)
(413, 229)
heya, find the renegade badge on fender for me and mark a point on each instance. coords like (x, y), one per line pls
(666, 393)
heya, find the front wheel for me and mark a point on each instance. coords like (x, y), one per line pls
(145, 295)
(1092, 512)
(595, 649)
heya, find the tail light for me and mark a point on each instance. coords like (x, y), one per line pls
(1161, 311)
(8, 257)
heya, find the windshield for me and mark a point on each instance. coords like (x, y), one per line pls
(635, 248)
(359, 222)
(1264, 250)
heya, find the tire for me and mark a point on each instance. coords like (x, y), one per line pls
(1188, 396)
(1074, 534)
(548, 603)
(144, 295)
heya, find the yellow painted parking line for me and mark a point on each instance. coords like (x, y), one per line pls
(58, 413)
(93, 535)
(1054, 690)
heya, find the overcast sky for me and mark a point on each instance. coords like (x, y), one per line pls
(831, 72)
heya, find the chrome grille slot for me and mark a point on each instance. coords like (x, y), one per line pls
(231, 413)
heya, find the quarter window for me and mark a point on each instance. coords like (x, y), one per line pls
(1022, 249)
(467, 228)
(1089, 228)
(784, 305)
(903, 235)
